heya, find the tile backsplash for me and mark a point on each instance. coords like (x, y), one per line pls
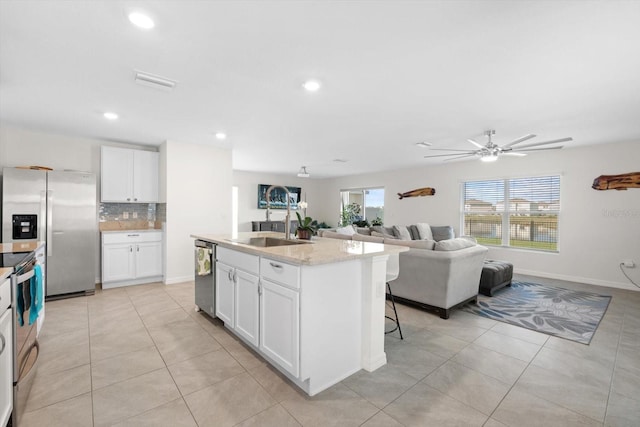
(114, 216)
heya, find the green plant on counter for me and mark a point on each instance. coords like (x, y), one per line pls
(306, 227)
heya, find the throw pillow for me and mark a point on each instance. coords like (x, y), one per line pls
(334, 235)
(453, 244)
(424, 231)
(401, 232)
(442, 233)
(416, 244)
(347, 231)
(365, 238)
(413, 230)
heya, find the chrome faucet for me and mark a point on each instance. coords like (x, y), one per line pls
(287, 219)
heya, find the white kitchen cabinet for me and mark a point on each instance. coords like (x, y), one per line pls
(129, 175)
(6, 353)
(130, 258)
(237, 298)
(225, 291)
(247, 306)
(280, 325)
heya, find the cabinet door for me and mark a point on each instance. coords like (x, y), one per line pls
(116, 175)
(247, 306)
(6, 366)
(145, 176)
(148, 259)
(225, 294)
(280, 325)
(118, 262)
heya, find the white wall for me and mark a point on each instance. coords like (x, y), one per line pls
(598, 229)
(247, 183)
(196, 184)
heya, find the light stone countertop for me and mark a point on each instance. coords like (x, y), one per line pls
(146, 230)
(319, 251)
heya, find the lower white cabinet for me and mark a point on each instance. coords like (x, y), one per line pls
(225, 294)
(130, 258)
(280, 325)
(246, 309)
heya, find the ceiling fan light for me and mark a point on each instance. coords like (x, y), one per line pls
(302, 173)
(489, 158)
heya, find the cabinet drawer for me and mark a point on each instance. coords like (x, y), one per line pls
(247, 262)
(132, 237)
(279, 272)
(5, 295)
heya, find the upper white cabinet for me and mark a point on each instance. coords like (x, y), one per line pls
(129, 175)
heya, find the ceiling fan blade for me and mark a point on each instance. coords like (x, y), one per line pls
(448, 149)
(470, 153)
(475, 143)
(519, 140)
(555, 141)
(513, 153)
(459, 157)
(540, 149)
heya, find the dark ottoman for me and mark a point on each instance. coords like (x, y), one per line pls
(495, 275)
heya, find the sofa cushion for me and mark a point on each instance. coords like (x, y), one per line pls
(385, 231)
(365, 238)
(385, 236)
(453, 244)
(363, 230)
(416, 244)
(401, 232)
(413, 230)
(424, 231)
(347, 230)
(442, 232)
(335, 235)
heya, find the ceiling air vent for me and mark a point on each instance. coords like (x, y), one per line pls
(157, 82)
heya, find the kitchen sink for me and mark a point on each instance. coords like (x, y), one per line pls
(266, 242)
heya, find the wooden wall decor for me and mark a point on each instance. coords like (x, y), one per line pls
(426, 191)
(617, 182)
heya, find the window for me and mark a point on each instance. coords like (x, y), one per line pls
(516, 212)
(362, 205)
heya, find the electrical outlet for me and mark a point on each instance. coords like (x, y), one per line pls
(125, 215)
(628, 263)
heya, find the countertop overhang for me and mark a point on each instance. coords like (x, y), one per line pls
(318, 251)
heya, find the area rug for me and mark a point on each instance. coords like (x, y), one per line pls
(564, 313)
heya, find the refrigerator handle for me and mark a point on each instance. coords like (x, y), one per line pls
(42, 221)
(49, 222)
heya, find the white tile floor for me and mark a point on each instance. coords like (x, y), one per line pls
(141, 356)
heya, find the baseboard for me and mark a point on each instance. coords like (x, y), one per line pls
(577, 279)
(179, 279)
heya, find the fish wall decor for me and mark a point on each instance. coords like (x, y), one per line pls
(617, 182)
(418, 192)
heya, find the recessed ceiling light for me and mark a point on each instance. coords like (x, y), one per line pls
(221, 135)
(110, 116)
(141, 20)
(312, 85)
(424, 144)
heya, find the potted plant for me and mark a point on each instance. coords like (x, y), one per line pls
(307, 227)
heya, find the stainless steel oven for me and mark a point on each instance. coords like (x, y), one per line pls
(26, 299)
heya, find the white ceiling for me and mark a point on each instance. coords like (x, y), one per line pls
(394, 73)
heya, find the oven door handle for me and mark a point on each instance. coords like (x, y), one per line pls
(26, 276)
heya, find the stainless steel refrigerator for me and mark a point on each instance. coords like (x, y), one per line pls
(57, 207)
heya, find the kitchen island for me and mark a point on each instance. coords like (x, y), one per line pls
(314, 310)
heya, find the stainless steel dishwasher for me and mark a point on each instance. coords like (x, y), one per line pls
(205, 282)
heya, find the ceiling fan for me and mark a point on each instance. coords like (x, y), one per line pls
(491, 151)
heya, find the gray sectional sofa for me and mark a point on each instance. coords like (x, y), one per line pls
(439, 272)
